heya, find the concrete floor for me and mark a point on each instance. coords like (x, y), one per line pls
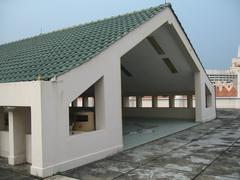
(140, 131)
(208, 151)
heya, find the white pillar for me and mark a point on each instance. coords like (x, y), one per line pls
(154, 101)
(17, 136)
(2, 122)
(189, 101)
(125, 101)
(199, 97)
(171, 101)
(139, 101)
(85, 101)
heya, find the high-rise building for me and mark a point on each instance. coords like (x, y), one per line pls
(226, 81)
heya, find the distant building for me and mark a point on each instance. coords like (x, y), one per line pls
(227, 84)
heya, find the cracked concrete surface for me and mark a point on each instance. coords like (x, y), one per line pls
(208, 151)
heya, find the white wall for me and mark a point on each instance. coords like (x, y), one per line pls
(204, 113)
(63, 151)
(4, 144)
(233, 103)
(168, 113)
(27, 94)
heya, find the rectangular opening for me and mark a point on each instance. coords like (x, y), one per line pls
(194, 101)
(82, 112)
(155, 45)
(132, 101)
(84, 121)
(163, 101)
(147, 101)
(170, 65)
(180, 101)
(87, 110)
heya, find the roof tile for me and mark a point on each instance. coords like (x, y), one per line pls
(57, 52)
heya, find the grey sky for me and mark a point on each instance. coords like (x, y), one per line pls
(213, 26)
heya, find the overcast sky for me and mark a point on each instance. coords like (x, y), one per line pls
(213, 26)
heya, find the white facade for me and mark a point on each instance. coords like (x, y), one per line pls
(222, 76)
(52, 148)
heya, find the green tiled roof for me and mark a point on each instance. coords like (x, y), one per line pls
(45, 56)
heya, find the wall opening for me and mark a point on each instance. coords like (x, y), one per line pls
(82, 112)
(163, 101)
(86, 112)
(151, 78)
(180, 101)
(15, 134)
(132, 101)
(193, 101)
(147, 101)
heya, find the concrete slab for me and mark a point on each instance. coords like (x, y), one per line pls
(140, 131)
(10, 175)
(233, 151)
(59, 177)
(149, 151)
(23, 169)
(205, 177)
(209, 151)
(188, 164)
(101, 170)
(151, 172)
(138, 156)
(225, 167)
(217, 139)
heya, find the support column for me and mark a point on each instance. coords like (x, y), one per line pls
(2, 122)
(125, 101)
(199, 96)
(189, 101)
(154, 101)
(139, 101)
(85, 102)
(172, 101)
(17, 136)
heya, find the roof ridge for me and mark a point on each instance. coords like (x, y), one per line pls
(87, 23)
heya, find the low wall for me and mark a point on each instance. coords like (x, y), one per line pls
(233, 103)
(4, 143)
(169, 113)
